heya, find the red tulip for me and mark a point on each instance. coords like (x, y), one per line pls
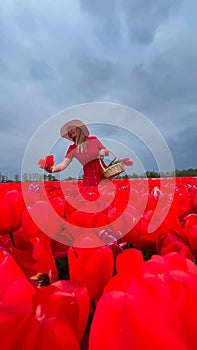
(34, 255)
(127, 161)
(30, 228)
(5, 216)
(33, 193)
(17, 205)
(91, 266)
(150, 299)
(48, 161)
(11, 209)
(45, 218)
(195, 201)
(44, 261)
(58, 319)
(144, 317)
(190, 229)
(173, 242)
(41, 163)
(183, 288)
(15, 298)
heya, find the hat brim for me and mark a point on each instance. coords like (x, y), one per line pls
(73, 123)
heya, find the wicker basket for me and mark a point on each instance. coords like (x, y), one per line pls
(113, 170)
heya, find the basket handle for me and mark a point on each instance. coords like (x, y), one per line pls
(101, 162)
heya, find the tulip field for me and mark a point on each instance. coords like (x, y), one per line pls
(105, 268)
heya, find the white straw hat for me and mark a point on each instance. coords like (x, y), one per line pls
(73, 123)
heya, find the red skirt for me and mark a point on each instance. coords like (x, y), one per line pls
(93, 173)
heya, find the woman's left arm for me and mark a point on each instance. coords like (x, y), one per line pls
(103, 151)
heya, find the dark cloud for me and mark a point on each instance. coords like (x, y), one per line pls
(100, 8)
(7, 125)
(172, 75)
(167, 86)
(39, 69)
(144, 17)
(96, 75)
(106, 21)
(184, 145)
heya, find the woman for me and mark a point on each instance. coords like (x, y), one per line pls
(86, 149)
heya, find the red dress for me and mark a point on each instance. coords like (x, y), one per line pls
(92, 170)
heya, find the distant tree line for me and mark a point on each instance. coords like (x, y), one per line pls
(187, 172)
(154, 174)
(178, 173)
(150, 174)
(34, 177)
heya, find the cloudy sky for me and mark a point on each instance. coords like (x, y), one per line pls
(56, 54)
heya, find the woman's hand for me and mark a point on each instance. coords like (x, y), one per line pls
(48, 164)
(49, 169)
(103, 152)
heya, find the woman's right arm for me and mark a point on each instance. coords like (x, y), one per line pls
(61, 166)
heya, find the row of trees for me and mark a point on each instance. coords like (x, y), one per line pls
(178, 173)
(28, 178)
(154, 174)
(150, 174)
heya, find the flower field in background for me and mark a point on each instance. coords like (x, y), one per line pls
(90, 270)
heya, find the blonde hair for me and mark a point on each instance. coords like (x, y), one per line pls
(80, 140)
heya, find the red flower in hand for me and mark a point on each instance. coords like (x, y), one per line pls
(41, 163)
(46, 163)
(127, 161)
(49, 160)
